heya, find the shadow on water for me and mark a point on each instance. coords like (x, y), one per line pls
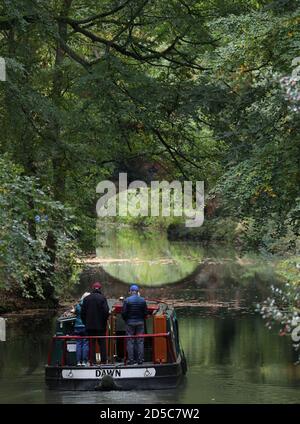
(128, 254)
(232, 358)
(211, 284)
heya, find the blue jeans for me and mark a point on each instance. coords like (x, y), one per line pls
(82, 346)
(135, 347)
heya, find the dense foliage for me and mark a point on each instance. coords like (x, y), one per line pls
(202, 88)
(282, 311)
(35, 234)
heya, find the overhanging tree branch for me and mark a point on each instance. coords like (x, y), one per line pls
(117, 47)
(103, 14)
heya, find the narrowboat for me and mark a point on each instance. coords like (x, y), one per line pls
(164, 361)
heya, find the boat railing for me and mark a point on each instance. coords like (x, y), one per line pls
(171, 356)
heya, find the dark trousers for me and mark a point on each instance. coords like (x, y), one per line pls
(101, 344)
(135, 347)
(82, 346)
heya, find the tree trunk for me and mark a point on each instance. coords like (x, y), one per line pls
(58, 155)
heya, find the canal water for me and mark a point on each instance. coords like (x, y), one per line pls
(232, 357)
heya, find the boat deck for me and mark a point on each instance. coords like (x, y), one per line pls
(163, 366)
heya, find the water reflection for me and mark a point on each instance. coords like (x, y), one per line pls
(127, 254)
(232, 358)
(146, 258)
(235, 359)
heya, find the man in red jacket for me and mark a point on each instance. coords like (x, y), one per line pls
(94, 315)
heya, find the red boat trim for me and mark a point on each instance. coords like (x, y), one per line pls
(137, 336)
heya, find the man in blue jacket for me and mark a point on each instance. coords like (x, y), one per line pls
(134, 312)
